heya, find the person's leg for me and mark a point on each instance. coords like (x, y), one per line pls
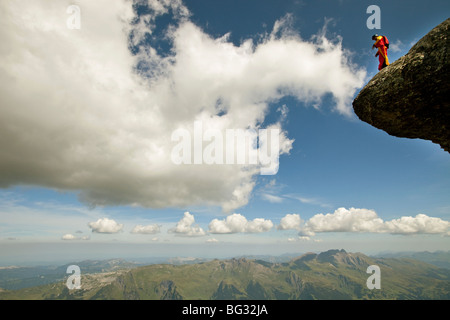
(382, 58)
(386, 59)
(381, 64)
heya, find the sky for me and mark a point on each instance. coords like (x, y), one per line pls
(114, 121)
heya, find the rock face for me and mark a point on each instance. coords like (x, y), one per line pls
(410, 98)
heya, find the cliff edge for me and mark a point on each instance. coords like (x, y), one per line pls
(410, 97)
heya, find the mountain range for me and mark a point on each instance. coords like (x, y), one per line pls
(334, 274)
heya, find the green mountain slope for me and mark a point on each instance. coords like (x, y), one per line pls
(334, 274)
(440, 259)
(13, 278)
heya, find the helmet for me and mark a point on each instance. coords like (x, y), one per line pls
(375, 36)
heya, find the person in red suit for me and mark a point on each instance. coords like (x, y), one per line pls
(382, 44)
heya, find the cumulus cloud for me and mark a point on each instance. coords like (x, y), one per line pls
(289, 222)
(236, 223)
(345, 220)
(185, 227)
(149, 229)
(81, 111)
(365, 220)
(421, 223)
(105, 225)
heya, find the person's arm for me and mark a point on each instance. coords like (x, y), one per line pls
(376, 43)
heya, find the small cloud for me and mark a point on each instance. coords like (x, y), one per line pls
(149, 229)
(306, 232)
(271, 198)
(155, 239)
(308, 200)
(303, 239)
(69, 236)
(308, 239)
(270, 191)
(185, 227)
(212, 240)
(396, 46)
(283, 112)
(105, 225)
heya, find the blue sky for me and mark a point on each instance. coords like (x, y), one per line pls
(76, 181)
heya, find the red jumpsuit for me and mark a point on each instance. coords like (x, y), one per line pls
(382, 52)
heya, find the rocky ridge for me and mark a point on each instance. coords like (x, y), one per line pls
(409, 98)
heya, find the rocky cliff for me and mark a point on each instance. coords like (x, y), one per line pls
(410, 98)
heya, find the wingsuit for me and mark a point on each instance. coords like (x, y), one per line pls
(381, 43)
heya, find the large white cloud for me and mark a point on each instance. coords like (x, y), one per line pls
(236, 223)
(105, 225)
(363, 220)
(76, 113)
(186, 227)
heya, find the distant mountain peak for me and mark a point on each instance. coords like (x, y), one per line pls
(334, 257)
(306, 257)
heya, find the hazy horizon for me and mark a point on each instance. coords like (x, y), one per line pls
(26, 254)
